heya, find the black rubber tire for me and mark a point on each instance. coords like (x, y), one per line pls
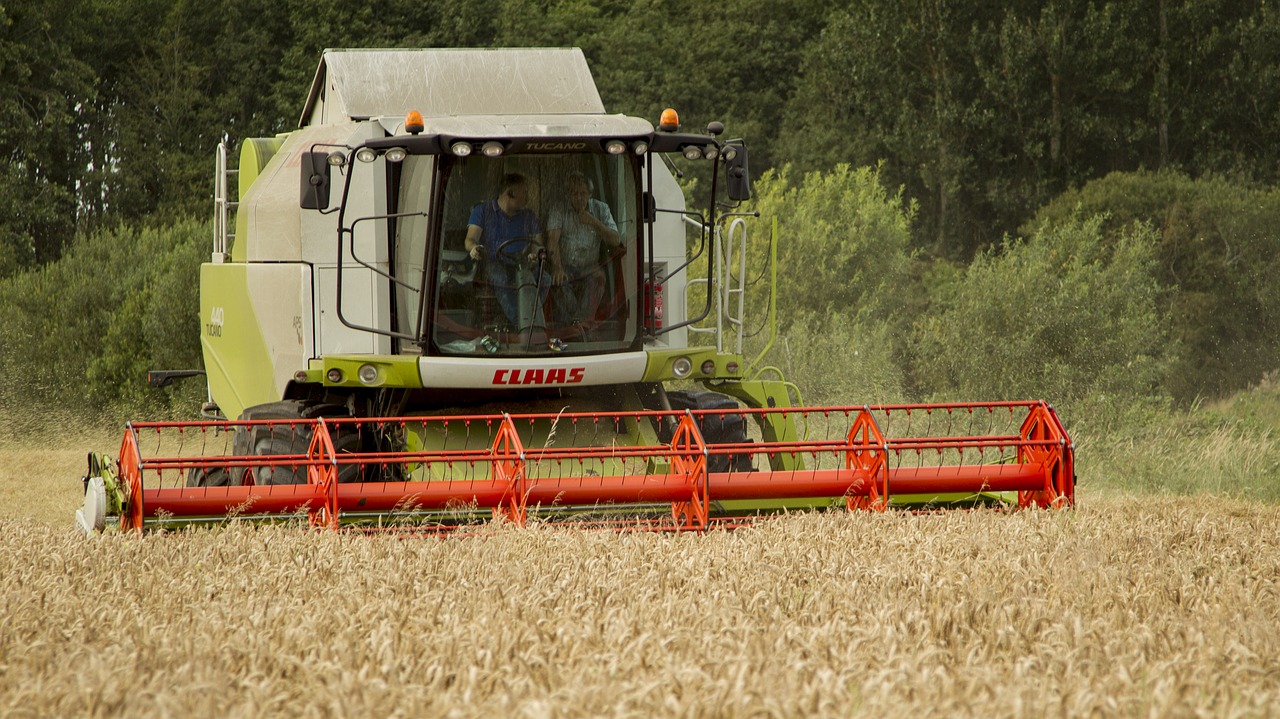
(211, 477)
(281, 439)
(716, 429)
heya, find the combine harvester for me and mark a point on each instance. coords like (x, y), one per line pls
(459, 290)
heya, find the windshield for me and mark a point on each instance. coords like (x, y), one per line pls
(538, 255)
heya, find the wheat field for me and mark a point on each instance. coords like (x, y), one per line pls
(1127, 606)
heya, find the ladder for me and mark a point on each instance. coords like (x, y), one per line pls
(729, 287)
(223, 206)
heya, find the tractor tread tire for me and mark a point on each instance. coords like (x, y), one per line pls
(278, 440)
(716, 429)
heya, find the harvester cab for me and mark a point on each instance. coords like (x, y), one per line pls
(458, 226)
(462, 287)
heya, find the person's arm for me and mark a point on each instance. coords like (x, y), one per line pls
(472, 243)
(600, 219)
(536, 240)
(553, 251)
(537, 243)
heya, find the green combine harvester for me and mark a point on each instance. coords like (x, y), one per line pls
(461, 289)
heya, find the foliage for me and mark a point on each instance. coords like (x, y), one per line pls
(842, 245)
(82, 332)
(984, 112)
(1063, 315)
(840, 360)
(1218, 256)
(980, 112)
(42, 148)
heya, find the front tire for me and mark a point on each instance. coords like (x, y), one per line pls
(281, 439)
(716, 428)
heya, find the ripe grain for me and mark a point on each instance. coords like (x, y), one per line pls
(1125, 606)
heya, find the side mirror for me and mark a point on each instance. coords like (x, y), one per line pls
(737, 173)
(315, 181)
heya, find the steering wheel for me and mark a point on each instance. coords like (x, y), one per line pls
(509, 253)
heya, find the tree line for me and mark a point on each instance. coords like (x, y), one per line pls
(110, 109)
(1073, 200)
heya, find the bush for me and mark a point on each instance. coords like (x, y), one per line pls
(1065, 316)
(839, 360)
(81, 333)
(1217, 253)
(842, 243)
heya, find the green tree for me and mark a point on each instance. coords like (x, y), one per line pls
(1063, 92)
(1222, 98)
(843, 244)
(81, 332)
(890, 81)
(43, 82)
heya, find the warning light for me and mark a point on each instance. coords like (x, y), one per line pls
(413, 122)
(670, 121)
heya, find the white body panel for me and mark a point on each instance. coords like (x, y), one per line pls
(280, 296)
(365, 295)
(507, 373)
(671, 235)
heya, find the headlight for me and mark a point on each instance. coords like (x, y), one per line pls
(692, 152)
(336, 158)
(368, 374)
(709, 367)
(334, 376)
(730, 153)
(492, 148)
(461, 149)
(681, 367)
(640, 147)
(366, 154)
(396, 154)
(711, 153)
(615, 147)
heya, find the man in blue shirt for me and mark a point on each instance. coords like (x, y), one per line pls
(507, 235)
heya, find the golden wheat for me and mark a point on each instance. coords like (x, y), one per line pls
(1156, 607)
(1129, 606)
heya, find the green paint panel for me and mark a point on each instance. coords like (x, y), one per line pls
(237, 358)
(658, 368)
(391, 371)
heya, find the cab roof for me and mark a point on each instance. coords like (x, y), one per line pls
(352, 85)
